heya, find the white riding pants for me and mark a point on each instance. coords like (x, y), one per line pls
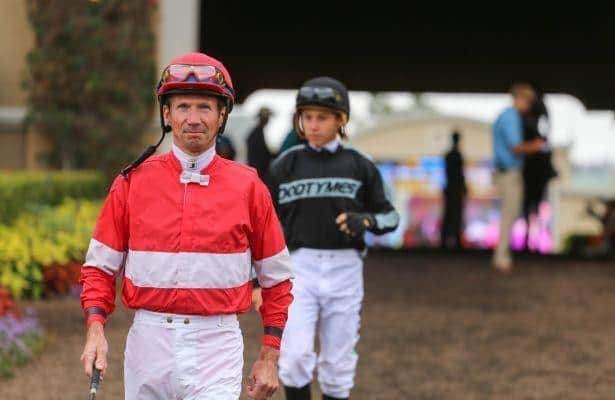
(183, 357)
(328, 287)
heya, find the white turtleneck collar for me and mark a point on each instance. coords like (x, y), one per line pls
(330, 146)
(194, 163)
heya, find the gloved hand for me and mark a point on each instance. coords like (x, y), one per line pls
(354, 223)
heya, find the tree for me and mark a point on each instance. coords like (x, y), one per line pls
(91, 78)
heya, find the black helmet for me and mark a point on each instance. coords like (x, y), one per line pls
(324, 92)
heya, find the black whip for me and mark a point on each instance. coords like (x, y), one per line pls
(94, 382)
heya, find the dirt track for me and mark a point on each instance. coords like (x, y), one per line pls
(435, 326)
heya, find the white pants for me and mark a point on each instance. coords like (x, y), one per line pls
(187, 357)
(328, 286)
(509, 186)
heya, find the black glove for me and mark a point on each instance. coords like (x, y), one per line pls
(357, 223)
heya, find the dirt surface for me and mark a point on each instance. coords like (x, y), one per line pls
(435, 326)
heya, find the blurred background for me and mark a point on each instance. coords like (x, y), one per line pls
(77, 103)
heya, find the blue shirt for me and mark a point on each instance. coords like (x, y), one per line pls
(507, 133)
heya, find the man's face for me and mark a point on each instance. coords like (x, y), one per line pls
(523, 103)
(195, 121)
(320, 125)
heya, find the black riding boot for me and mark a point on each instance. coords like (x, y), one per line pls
(325, 397)
(302, 393)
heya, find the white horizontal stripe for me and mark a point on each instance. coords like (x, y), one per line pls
(273, 270)
(103, 257)
(185, 270)
(388, 220)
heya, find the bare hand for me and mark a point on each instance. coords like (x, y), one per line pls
(341, 222)
(95, 350)
(263, 379)
(257, 298)
(539, 144)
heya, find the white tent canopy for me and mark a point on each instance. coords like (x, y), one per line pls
(590, 134)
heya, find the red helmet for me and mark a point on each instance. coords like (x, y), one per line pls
(196, 73)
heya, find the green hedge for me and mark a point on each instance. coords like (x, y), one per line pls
(26, 191)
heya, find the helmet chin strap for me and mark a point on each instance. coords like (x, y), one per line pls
(149, 151)
(144, 156)
(226, 113)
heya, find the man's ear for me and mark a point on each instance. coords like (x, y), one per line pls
(222, 116)
(166, 114)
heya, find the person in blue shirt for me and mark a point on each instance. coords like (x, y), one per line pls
(509, 149)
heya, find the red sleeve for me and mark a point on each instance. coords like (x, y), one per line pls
(98, 291)
(272, 265)
(274, 310)
(106, 254)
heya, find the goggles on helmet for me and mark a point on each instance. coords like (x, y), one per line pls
(327, 94)
(201, 73)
